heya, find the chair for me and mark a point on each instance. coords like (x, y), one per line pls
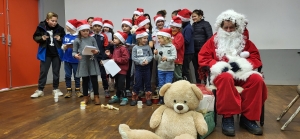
(239, 89)
(288, 107)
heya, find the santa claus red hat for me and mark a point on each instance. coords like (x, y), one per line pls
(176, 21)
(72, 23)
(142, 21)
(141, 32)
(185, 15)
(236, 18)
(165, 32)
(127, 21)
(108, 23)
(97, 21)
(158, 17)
(139, 11)
(122, 36)
(82, 24)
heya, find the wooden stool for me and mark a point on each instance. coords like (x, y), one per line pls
(288, 107)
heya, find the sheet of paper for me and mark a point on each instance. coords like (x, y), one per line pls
(111, 66)
(103, 62)
(87, 50)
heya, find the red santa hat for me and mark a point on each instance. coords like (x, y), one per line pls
(185, 15)
(122, 36)
(97, 21)
(72, 23)
(236, 18)
(82, 24)
(108, 23)
(176, 21)
(165, 32)
(141, 32)
(127, 21)
(139, 11)
(142, 21)
(158, 17)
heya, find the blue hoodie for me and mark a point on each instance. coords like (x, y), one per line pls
(187, 33)
(69, 39)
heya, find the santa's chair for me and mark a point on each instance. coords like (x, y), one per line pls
(288, 107)
(205, 72)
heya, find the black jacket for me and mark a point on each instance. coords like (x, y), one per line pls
(202, 32)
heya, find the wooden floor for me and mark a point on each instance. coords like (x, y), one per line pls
(23, 117)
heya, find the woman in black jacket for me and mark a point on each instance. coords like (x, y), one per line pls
(202, 32)
(49, 35)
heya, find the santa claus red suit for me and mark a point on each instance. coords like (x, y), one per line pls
(233, 60)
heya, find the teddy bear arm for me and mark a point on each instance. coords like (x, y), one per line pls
(156, 116)
(200, 123)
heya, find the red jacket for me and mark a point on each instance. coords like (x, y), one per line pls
(121, 57)
(207, 55)
(178, 42)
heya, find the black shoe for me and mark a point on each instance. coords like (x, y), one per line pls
(228, 126)
(161, 101)
(250, 125)
(148, 102)
(133, 102)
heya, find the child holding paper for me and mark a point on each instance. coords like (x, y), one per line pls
(121, 57)
(142, 56)
(88, 67)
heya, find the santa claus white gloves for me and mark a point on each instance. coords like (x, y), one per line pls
(244, 54)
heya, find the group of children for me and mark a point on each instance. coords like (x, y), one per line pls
(133, 49)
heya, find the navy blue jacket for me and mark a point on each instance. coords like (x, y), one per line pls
(100, 42)
(187, 33)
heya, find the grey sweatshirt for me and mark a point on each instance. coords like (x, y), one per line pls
(169, 51)
(141, 53)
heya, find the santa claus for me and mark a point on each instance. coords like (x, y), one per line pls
(233, 60)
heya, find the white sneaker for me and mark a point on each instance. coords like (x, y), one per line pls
(58, 92)
(91, 95)
(37, 93)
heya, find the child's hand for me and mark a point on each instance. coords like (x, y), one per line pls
(78, 56)
(57, 37)
(95, 51)
(164, 58)
(64, 47)
(100, 63)
(107, 52)
(155, 51)
(44, 37)
(145, 62)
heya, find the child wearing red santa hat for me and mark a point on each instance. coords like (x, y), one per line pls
(142, 56)
(121, 57)
(178, 42)
(88, 67)
(165, 55)
(137, 13)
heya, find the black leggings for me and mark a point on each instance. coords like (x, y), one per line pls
(85, 84)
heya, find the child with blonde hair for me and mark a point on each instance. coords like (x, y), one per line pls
(165, 56)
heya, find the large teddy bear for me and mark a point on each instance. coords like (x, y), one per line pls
(177, 118)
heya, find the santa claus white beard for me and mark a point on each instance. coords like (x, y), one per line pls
(229, 43)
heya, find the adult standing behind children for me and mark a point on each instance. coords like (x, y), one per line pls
(202, 32)
(49, 36)
(187, 33)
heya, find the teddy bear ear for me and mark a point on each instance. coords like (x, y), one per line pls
(164, 89)
(197, 91)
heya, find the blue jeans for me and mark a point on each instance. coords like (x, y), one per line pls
(69, 67)
(164, 77)
(142, 79)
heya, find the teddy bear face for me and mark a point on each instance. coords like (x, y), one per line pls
(182, 96)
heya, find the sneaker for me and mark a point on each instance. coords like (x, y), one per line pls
(107, 95)
(69, 93)
(114, 99)
(58, 92)
(91, 94)
(128, 93)
(124, 102)
(37, 93)
(228, 126)
(78, 92)
(250, 125)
